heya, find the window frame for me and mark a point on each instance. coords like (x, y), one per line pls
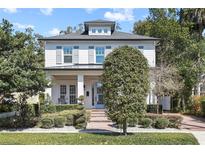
(105, 30)
(72, 94)
(99, 54)
(63, 91)
(99, 30)
(93, 30)
(68, 54)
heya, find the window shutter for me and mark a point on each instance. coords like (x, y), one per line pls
(91, 54)
(108, 50)
(58, 55)
(75, 54)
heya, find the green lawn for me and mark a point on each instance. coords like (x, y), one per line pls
(97, 139)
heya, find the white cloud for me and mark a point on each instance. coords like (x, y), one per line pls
(10, 10)
(90, 10)
(120, 15)
(47, 11)
(23, 26)
(54, 31)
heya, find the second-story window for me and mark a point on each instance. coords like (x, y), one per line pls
(100, 55)
(93, 30)
(99, 30)
(105, 30)
(67, 54)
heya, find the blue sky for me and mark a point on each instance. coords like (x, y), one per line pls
(48, 22)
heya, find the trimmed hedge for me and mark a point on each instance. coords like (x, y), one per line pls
(76, 118)
(152, 108)
(69, 107)
(47, 122)
(59, 121)
(48, 108)
(203, 107)
(146, 122)
(174, 120)
(161, 123)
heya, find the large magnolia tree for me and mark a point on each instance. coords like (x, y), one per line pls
(21, 63)
(125, 85)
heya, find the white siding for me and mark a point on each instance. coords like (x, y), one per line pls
(50, 50)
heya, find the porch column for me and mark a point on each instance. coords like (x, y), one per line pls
(48, 91)
(80, 83)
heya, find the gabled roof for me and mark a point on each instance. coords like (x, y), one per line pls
(116, 36)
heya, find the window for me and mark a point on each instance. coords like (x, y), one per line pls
(108, 47)
(91, 47)
(73, 94)
(67, 54)
(105, 30)
(58, 47)
(76, 47)
(99, 30)
(93, 30)
(100, 52)
(140, 47)
(63, 91)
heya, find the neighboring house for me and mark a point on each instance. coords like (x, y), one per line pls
(74, 62)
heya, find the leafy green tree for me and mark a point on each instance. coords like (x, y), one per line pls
(196, 19)
(125, 85)
(177, 47)
(21, 63)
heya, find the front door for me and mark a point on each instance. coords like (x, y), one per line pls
(99, 96)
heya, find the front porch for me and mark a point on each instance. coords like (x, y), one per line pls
(67, 88)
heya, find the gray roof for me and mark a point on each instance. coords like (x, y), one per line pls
(100, 21)
(116, 36)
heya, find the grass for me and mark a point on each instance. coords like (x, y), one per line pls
(97, 139)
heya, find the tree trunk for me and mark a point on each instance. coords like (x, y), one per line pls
(125, 127)
(183, 104)
(179, 104)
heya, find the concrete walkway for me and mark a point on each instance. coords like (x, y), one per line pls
(193, 123)
(99, 122)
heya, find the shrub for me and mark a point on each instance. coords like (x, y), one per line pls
(161, 123)
(132, 122)
(59, 121)
(9, 122)
(81, 119)
(48, 108)
(8, 107)
(174, 120)
(152, 108)
(203, 107)
(69, 120)
(47, 122)
(27, 116)
(81, 126)
(146, 122)
(69, 107)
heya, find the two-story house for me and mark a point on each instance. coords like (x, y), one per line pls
(74, 61)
